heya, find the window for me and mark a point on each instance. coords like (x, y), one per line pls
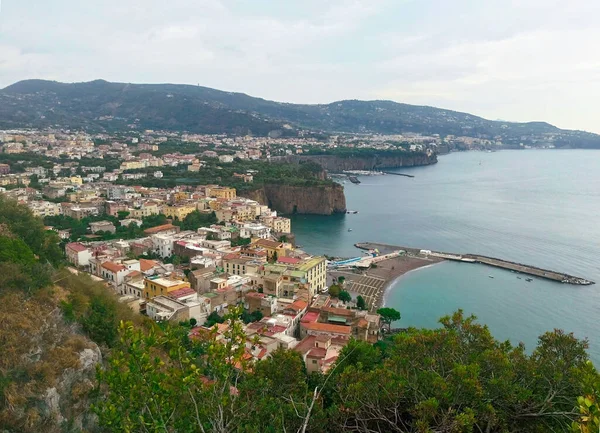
(314, 361)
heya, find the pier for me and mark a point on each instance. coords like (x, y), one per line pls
(398, 174)
(490, 261)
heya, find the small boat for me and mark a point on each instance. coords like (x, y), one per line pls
(489, 276)
(352, 211)
(349, 230)
(519, 278)
(529, 280)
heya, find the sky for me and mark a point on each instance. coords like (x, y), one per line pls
(513, 60)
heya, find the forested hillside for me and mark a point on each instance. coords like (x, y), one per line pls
(100, 105)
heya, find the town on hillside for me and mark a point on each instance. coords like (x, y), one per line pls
(186, 253)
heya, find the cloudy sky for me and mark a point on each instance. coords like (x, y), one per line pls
(501, 59)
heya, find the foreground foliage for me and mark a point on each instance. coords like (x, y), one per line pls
(454, 379)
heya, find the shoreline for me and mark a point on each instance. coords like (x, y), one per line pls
(373, 284)
(391, 283)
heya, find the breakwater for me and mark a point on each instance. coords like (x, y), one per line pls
(398, 174)
(490, 261)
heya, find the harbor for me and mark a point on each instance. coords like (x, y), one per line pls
(474, 258)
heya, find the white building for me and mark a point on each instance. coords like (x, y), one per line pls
(78, 254)
(253, 230)
(114, 273)
(44, 208)
(162, 244)
(226, 158)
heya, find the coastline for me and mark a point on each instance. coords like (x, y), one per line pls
(374, 283)
(392, 283)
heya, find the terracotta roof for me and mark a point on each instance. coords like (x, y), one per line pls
(267, 243)
(326, 327)
(76, 246)
(158, 229)
(180, 293)
(306, 344)
(289, 260)
(297, 306)
(113, 267)
(311, 316)
(362, 323)
(146, 264)
(317, 352)
(339, 311)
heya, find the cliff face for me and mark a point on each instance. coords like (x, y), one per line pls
(50, 365)
(335, 163)
(318, 200)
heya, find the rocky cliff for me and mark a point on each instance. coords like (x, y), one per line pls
(48, 368)
(335, 163)
(286, 199)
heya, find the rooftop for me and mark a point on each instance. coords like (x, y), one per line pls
(113, 267)
(326, 327)
(76, 246)
(158, 229)
(165, 282)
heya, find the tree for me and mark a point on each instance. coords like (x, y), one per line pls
(152, 383)
(212, 319)
(459, 378)
(344, 296)
(334, 290)
(360, 303)
(100, 322)
(196, 219)
(341, 280)
(122, 214)
(21, 223)
(388, 316)
(193, 322)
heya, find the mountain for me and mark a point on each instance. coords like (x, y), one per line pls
(100, 105)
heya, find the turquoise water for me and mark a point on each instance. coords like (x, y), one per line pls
(535, 207)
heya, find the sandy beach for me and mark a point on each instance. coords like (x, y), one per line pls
(372, 284)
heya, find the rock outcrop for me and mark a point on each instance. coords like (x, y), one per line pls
(50, 367)
(287, 199)
(336, 164)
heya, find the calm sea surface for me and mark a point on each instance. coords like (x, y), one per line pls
(539, 207)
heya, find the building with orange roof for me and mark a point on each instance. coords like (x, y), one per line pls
(114, 273)
(147, 265)
(162, 229)
(316, 328)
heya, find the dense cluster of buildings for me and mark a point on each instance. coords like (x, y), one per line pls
(287, 286)
(169, 273)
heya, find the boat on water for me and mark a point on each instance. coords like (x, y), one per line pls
(529, 280)
(490, 276)
(352, 211)
(349, 230)
(519, 278)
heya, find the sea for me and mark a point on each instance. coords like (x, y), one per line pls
(538, 207)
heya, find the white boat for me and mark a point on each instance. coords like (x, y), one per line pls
(349, 230)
